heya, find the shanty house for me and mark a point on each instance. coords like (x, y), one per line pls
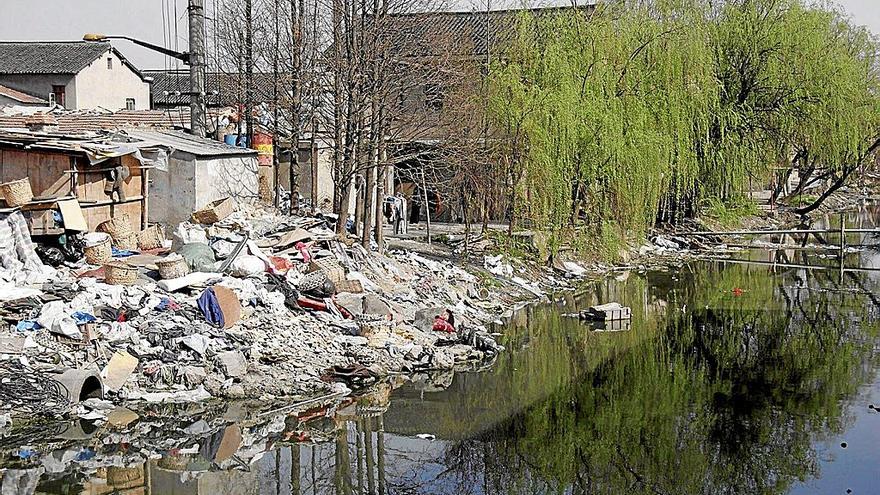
(60, 167)
(74, 74)
(198, 171)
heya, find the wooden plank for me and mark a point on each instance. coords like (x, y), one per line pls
(86, 204)
(14, 165)
(53, 182)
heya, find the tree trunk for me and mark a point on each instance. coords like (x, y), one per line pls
(296, 13)
(382, 172)
(338, 109)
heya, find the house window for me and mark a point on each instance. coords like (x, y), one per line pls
(434, 97)
(58, 94)
(129, 103)
(109, 63)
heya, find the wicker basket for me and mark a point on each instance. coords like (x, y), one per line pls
(331, 268)
(129, 242)
(172, 267)
(99, 252)
(118, 273)
(118, 227)
(215, 211)
(17, 192)
(151, 238)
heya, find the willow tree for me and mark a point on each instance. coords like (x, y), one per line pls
(637, 111)
(608, 107)
(798, 88)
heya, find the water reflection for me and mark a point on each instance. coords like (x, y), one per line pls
(726, 381)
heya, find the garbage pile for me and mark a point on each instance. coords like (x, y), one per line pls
(239, 303)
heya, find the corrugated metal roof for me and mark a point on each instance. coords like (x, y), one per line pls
(187, 143)
(21, 97)
(49, 57)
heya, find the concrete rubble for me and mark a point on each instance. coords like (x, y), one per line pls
(273, 307)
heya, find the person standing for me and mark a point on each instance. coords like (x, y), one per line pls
(402, 210)
(396, 219)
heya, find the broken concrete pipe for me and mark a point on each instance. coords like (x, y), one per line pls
(80, 384)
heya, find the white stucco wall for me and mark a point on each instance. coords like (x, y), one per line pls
(191, 183)
(97, 86)
(173, 193)
(234, 176)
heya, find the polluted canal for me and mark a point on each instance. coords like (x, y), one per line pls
(729, 378)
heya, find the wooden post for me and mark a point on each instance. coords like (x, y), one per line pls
(842, 235)
(145, 194)
(427, 206)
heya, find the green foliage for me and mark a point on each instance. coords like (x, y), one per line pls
(729, 213)
(643, 108)
(801, 200)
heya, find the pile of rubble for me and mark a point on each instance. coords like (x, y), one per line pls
(249, 303)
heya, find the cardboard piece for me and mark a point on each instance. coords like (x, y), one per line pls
(117, 371)
(72, 215)
(229, 305)
(287, 239)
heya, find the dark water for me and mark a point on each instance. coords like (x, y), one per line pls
(730, 379)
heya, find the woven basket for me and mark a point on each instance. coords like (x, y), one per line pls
(118, 227)
(129, 242)
(17, 192)
(151, 238)
(215, 211)
(118, 273)
(172, 268)
(331, 268)
(99, 253)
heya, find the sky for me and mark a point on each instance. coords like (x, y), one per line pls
(143, 19)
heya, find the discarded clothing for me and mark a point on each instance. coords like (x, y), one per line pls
(82, 318)
(441, 325)
(123, 253)
(167, 304)
(210, 308)
(27, 325)
(277, 283)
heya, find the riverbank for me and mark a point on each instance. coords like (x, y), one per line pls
(276, 309)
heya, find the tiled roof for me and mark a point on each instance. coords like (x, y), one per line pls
(462, 33)
(21, 97)
(229, 86)
(79, 121)
(48, 57)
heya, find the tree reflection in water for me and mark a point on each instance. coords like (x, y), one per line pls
(725, 381)
(713, 390)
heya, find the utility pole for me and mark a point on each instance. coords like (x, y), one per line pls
(198, 118)
(249, 72)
